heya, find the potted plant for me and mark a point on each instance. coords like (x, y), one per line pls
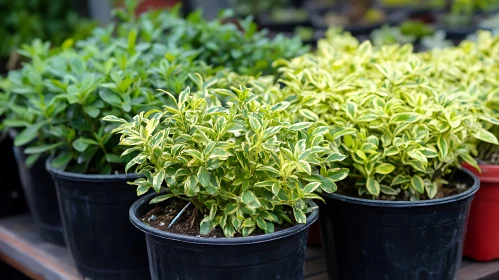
(402, 212)
(59, 98)
(477, 60)
(41, 197)
(236, 182)
(56, 103)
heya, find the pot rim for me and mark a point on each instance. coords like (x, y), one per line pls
(312, 217)
(410, 204)
(489, 172)
(88, 177)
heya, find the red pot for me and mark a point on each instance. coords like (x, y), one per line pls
(147, 5)
(482, 237)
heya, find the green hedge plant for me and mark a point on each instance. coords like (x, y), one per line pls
(403, 132)
(472, 68)
(57, 100)
(242, 165)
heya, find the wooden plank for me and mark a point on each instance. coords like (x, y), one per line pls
(314, 267)
(478, 270)
(21, 246)
(19, 267)
(320, 276)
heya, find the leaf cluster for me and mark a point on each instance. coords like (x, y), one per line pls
(25, 20)
(243, 165)
(401, 129)
(57, 100)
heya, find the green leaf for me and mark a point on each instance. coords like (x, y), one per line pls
(31, 159)
(417, 155)
(404, 118)
(161, 198)
(300, 126)
(205, 226)
(335, 157)
(255, 124)
(417, 183)
(351, 110)
(80, 145)
(400, 179)
(42, 148)
(431, 190)
(328, 185)
(230, 209)
(184, 95)
(486, 136)
(342, 131)
(384, 168)
(388, 190)
(443, 147)
(28, 134)
(309, 115)
(114, 158)
(390, 151)
(191, 185)
(111, 98)
(304, 167)
(204, 177)
(62, 160)
(281, 106)
(338, 174)
(157, 180)
(372, 186)
(217, 109)
(489, 119)
(250, 199)
(311, 187)
(261, 223)
(299, 216)
(367, 118)
(276, 187)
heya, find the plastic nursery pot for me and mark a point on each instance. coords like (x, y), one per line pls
(94, 208)
(40, 193)
(482, 236)
(279, 255)
(12, 198)
(372, 239)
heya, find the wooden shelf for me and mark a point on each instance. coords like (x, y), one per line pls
(315, 268)
(22, 248)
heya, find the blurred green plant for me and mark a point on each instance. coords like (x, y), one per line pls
(54, 21)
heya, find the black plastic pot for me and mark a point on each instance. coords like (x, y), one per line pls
(40, 193)
(368, 239)
(12, 198)
(94, 208)
(279, 255)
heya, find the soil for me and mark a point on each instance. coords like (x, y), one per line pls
(453, 188)
(162, 215)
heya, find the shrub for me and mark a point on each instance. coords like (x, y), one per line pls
(402, 131)
(58, 99)
(243, 166)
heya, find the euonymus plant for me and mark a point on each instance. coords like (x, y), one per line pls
(472, 68)
(240, 165)
(402, 131)
(56, 102)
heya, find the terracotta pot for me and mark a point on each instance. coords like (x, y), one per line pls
(482, 237)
